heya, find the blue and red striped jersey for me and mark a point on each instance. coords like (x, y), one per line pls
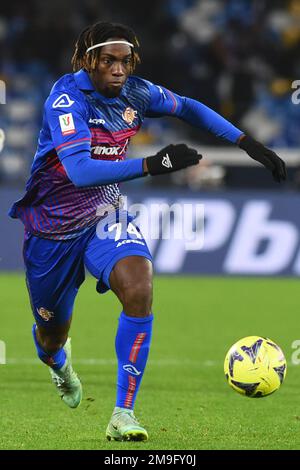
(77, 118)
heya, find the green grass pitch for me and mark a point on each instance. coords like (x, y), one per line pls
(184, 401)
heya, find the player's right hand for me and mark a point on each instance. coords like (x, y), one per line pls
(172, 158)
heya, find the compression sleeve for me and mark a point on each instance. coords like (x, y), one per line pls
(84, 171)
(163, 102)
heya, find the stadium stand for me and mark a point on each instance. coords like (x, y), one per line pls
(239, 57)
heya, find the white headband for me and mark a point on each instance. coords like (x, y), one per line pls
(107, 43)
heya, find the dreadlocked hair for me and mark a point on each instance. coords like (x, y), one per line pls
(95, 34)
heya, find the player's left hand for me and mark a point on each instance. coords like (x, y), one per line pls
(265, 156)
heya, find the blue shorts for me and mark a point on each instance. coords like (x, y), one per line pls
(55, 269)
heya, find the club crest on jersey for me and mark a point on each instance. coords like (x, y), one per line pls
(129, 115)
(67, 124)
(63, 101)
(45, 314)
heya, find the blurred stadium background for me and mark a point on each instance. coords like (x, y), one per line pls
(239, 57)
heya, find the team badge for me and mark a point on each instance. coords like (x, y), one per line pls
(45, 314)
(67, 124)
(129, 115)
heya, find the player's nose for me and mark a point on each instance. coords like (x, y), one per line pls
(118, 70)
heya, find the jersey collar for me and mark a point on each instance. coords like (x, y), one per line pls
(84, 83)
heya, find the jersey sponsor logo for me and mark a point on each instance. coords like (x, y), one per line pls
(96, 121)
(131, 369)
(63, 101)
(129, 115)
(67, 124)
(104, 150)
(100, 150)
(45, 314)
(166, 161)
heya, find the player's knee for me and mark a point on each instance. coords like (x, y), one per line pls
(51, 344)
(137, 299)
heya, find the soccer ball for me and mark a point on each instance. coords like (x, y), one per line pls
(255, 366)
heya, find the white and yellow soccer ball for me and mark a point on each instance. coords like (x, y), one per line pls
(255, 366)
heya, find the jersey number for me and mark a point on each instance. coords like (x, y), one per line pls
(131, 229)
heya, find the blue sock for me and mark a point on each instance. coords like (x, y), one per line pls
(55, 361)
(132, 348)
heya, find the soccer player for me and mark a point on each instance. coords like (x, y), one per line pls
(73, 213)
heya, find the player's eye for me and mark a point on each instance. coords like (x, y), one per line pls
(107, 61)
(127, 61)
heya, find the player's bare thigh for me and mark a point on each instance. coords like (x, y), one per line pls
(131, 281)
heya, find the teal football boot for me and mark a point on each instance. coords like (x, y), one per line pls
(66, 380)
(123, 426)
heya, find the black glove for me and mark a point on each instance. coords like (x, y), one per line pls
(265, 156)
(172, 158)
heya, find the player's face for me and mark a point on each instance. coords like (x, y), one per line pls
(114, 66)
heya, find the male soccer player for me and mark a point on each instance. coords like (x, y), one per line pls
(89, 118)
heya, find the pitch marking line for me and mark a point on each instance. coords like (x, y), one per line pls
(110, 362)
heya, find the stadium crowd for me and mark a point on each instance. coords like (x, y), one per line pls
(239, 57)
